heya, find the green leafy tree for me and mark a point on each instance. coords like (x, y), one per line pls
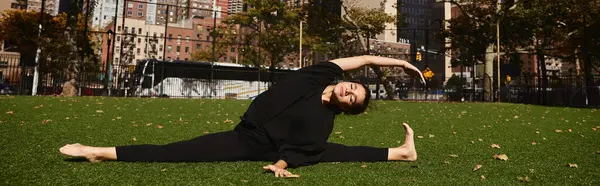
(271, 21)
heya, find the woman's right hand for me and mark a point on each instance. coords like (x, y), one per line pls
(280, 172)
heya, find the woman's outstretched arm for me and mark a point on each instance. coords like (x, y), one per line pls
(351, 63)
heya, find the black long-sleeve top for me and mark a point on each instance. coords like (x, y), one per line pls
(292, 116)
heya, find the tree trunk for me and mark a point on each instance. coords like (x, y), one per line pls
(391, 93)
(591, 92)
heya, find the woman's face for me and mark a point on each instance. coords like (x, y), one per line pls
(347, 94)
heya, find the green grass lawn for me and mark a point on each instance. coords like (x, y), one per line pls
(454, 139)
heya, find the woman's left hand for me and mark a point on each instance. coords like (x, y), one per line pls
(280, 172)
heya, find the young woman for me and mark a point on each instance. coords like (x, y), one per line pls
(289, 125)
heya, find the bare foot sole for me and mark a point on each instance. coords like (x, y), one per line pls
(407, 151)
(78, 150)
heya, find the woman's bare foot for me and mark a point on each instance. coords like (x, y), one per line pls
(407, 151)
(78, 150)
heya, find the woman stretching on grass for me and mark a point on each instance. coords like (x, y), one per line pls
(289, 125)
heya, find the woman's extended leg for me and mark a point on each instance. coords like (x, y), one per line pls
(341, 153)
(223, 146)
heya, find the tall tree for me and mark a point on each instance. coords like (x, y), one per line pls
(361, 25)
(271, 21)
(58, 54)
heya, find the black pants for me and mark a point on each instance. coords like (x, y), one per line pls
(228, 146)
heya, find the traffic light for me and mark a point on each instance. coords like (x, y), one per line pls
(419, 58)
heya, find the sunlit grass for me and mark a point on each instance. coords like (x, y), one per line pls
(455, 138)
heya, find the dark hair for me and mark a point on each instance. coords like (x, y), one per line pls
(360, 108)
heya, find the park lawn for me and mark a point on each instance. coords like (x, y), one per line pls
(454, 138)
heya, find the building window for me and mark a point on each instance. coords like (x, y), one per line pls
(130, 5)
(118, 38)
(140, 5)
(133, 30)
(126, 28)
(116, 59)
(138, 51)
(225, 58)
(104, 17)
(178, 48)
(232, 49)
(187, 38)
(187, 50)
(198, 46)
(207, 38)
(139, 30)
(139, 40)
(170, 36)
(169, 48)
(129, 12)
(140, 14)
(198, 36)
(118, 28)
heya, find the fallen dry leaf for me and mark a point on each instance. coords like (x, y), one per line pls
(482, 177)
(534, 143)
(557, 130)
(245, 181)
(67, 118)
(163, 170)
(206, 132)
(342, 137)
(10, 112)
(118, 117)
(502, 157)
(134, 139)
(480, 139)
(227, 121)
(569, 130)
(420, 137)
(99, 111)
(46, 121)
(445, 162)
(337, 133)
(477, 167)
(159, 126)
(572, 165)
(431, 135)
(364, 166)
(453, 155)
(135, 125)
(453, 132)
(148, 124)
(495, 146)
(516, 117)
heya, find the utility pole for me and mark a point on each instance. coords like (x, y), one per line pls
(300, 54)
(498, 47)
(37, 55)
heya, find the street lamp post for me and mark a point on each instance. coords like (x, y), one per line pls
(108, 59)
